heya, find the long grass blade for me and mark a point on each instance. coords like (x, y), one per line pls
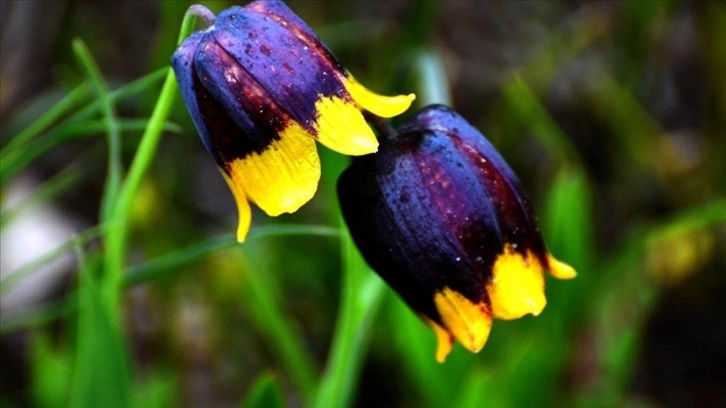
(101, 376)
(70, 101)
(113, 133)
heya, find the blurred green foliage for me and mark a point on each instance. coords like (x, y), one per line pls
(163, 308)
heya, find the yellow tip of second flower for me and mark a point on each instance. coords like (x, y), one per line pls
(517, 285)
(469, 322)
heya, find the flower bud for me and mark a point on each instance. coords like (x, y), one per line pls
(443, 219)
(261, 88)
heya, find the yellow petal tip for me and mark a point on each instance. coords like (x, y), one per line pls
(560, 270)
(444, 341)
(243, 208)
(517, 285)
(241, 234)
(469, 322)
(379, 105)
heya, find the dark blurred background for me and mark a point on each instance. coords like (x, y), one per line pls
(612, 114)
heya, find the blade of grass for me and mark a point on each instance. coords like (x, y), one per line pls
(274, 326)
(361, 295)
(265, 392)
(14, 160)
(100, 373)
(50, 371)
(82, 238)
(170, 263)
(70, 101)
(525, 103)
(40, 316)
(17, 160)
(113, 134)
(567, 225)
(415, 346)
(60, 183)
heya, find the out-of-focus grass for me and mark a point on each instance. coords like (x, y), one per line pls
(273, 338)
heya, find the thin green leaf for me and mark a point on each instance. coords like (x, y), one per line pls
(113, 133)
(415, 347)
(50, 372)
(273, 324)
(19, 159)
(481, 389)
(567, 225)
(265, 392)
(39, 125)
(158, 389)
(14, 160)
(525, 103)
(170, 263)
(101, 375)
(13, 277)
(39, 316)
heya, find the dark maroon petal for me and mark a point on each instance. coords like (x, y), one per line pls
(434, 208)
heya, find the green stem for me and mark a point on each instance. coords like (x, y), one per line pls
(118, 221)
(362, 293)
(433, 83)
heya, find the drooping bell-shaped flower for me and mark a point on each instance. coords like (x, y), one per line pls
(444, 220)
(261, 88)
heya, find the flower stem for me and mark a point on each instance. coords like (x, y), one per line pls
(381, 125)
(119, 214)
(202, 12)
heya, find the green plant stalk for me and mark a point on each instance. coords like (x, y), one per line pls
(113, 133)
(73, 98)
(119, 216)
(362, 294)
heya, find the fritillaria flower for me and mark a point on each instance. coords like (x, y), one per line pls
(261, 88)
(444, 220)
